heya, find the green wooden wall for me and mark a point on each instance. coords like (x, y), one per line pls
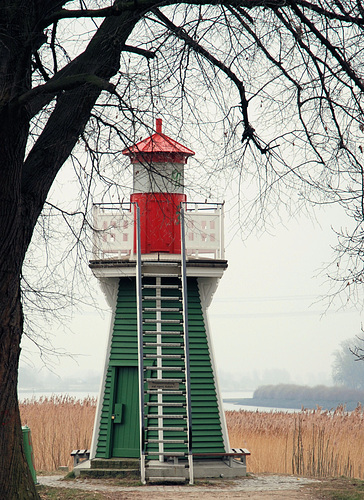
(206, 426)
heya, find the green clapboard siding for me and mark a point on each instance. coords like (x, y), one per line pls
(123, 353)
(206, 425)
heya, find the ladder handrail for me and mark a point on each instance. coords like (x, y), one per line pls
(186, 341)
(140, 344)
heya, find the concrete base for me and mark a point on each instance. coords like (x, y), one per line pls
(202, 469)
(81, 466)
(125, 468)
(162, 471)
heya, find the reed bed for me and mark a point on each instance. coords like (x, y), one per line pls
(311, 442)
(58, 425)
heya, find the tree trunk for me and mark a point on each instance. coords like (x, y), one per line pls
(25, 182)
(15, 479)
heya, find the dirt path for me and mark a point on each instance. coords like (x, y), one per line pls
(253, 488)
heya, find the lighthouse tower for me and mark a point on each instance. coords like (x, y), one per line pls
(158, 260)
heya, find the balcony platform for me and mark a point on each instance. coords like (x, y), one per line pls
(158, 263)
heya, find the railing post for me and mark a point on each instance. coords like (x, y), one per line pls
(140, 343)
(186, 343)
(222, 235)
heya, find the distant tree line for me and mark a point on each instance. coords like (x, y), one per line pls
(304, 393)
(348, 365)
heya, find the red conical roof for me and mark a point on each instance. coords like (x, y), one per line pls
(158, 148)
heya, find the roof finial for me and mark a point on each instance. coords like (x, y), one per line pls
(158, 125)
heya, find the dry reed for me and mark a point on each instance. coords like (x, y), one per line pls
(311, 442)
(58, 425)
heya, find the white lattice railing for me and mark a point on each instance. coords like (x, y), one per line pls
(113, 235)
(204, 230)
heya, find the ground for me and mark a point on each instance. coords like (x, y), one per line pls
(252, 487)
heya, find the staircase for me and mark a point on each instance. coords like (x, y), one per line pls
(164, 371)
(126, 468)
(166, 435)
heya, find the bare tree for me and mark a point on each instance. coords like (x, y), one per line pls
(346, 370)
(277, 84)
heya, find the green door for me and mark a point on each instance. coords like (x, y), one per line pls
(125, 413)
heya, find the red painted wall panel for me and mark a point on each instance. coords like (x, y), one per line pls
(159, 222)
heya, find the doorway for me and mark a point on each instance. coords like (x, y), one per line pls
(125, 413)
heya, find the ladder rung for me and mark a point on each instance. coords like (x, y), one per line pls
(166, 332)
(169, 441)
(179, 429)
(166, 379)
(170, 287)
(164, 321)
(178, 321)
(154, 297)
(166, 417)
(179, 405)
(163, 356)
(165, 368)
(164, 392)
(163, 344)
(162, 309)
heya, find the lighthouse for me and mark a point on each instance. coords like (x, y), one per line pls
(158, 259)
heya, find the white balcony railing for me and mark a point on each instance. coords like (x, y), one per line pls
(204, 224)
(113, 235)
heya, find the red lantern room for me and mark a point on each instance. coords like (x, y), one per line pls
(158, 189)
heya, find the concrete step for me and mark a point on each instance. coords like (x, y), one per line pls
(109, 473)
(115, 463)
(165, 471)
(162, 479)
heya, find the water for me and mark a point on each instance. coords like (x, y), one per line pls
(227, 405)
(22, 395)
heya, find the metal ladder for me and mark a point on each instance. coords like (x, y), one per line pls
(164, 371)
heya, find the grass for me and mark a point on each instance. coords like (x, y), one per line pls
(339, 489)
(50, 493)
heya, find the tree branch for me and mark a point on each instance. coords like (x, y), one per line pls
(330, 47)
(85, 77)
(52, 87)
(238, 14)
(149, 54)
(249, 132)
